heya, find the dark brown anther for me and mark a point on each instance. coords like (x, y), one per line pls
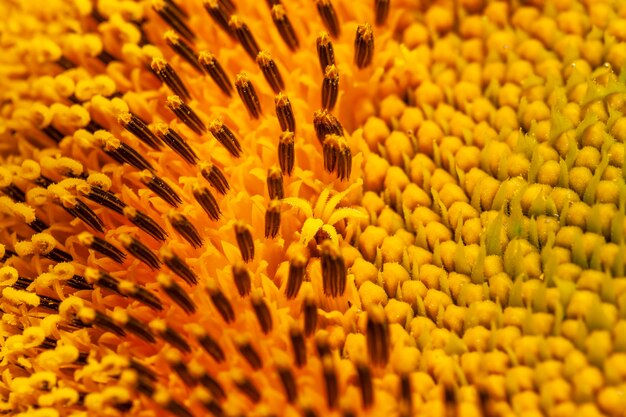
(405, 393)
(270, 71)
(329, 17)
(37, 225)
(101, 246)
(106, 199)
(221, 303)
(183, 49)
(100, 320)
(289, 383)
(381, 8)
(284, 26)
(325, 51)
(215, 177)
(170, 335)
(220, 14)
(364, 46)
(22, 283)
(77, 208)
(106, 58)
(58, 255)
(214, 387)
(185, 228)
(177, 409)
(177, 9)
(262, 312)
(53, 133)
(206, 200)
(133, 325)
(212, 67)
(248, 95)
(123, 288)
(365, 385)
(65, 63)
(378, 343)
(244, 36)
(284, 113)
(225, 136)
(49, 302)
(243, 234)
(330, 87)
(78, 283)
(178, 266)
(14, 192)
(309, 412)
(247, 387)
(298, 346)
(309, 312)
(249, 353)
(211, 346)
(322, 345)
(275, 183)
(272, 219)
(178, 365)
(333, 270)
(169, 77)
(337, 156)
(326, 124)
(122, 152)
(286, 152)
(185, 114)
(142, 370)
(228, 5)
(145, 223)
(160, 188)
(140, 251)
(177, 143)
(331, 383)
(173, 19)
(135, 125)
(176, 293)
(242, 279)
(297, 269)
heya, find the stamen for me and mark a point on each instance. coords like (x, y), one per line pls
(322, 345)
(171, 405)
(272, 219)
(78, 283)
(333, 270)
(145, 223)
(249, 353)
(22, 283)
(123, 288)
(105, 199)
(53, 133)
(183, 49)
(331, 382)
(337, 156)
(325, 51)
(169, 15)
(160, 188)
(284, 26)
(221, 303)
(247, 387)
(206, 200)
(286, 152)
(185, 114)
(220, 13)
(405, 392)
(175, 361)
(176, 142)
(248, 95)
(262, 312)
(381, 7)
(225, 136)
(101, 246)
(330, 87)
(298, 345)
(244, 36)
(142, 370)
(65, 63)
(77, 208)
(365, 385)
(210, 345)
(214, 387)
(245, 241)
(14, 192)
(297, 268)
(89, 316)
(329, 17)
(184, 227)
(309, 310)
(122, 152)
(140, 251)
(284, 113)
(169, 77)
(228, 5)
(326, 124)
(178, 266)
(214, 69)
(270, 71)
(215, 177)
(177, 9)
(289, 383)
(364, 46)
(275, 183)
(133, 325)
(176, 293)
(49, 302)
(241, 276)
(37, 225)
(378, 343)
(135, 125)
(170, 335)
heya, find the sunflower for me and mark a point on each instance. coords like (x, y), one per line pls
(313, 207)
